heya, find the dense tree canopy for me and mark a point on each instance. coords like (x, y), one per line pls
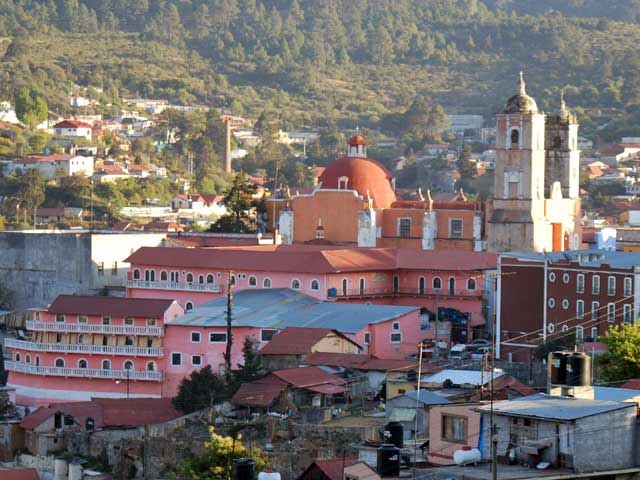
(621, 361)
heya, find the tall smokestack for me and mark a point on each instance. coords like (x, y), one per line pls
(227, 145)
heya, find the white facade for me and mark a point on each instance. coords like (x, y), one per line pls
(48, 167)
(78, 132)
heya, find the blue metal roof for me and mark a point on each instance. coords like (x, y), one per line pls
(280, 308)
(427, 397)
(551, 407)
(587, 258)
(615, 394)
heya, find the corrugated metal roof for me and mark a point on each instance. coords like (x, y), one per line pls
(586, 257)
(402, 415)
(427, 397)
(550, 407)
(463, 377)
(615, 394)
(280, 308)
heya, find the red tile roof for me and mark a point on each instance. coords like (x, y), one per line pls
(46, 158)
(312, 259)
(260, 393)
(115, 306)
(298, 340)
(363, 362)
(20, 474)
(332, 468)
(205, 241)
(303, 377)
(71, 124)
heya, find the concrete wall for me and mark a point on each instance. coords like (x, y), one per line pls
(37, 267)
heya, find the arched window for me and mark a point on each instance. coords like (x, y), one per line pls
(79, 339)
(106, 365)
(200, 278)
(361, 285)
(452, 286)
(37, 361)
(151, 366)
(82, 363)
(471, 284)
(209, 278)
(253, 281)
(421, 285)
(136, 274)
(396, 284)
(437, 283)
(60, 362)
(18, 357)
(189, 277)
(295, 284)
(315, 285)
(188, 306)
(150, 275)
(627, 287)
(266, 283)
(164, 276)
(128, 365)
(515, 137)
(27, 358)
(128, 341)
(345, 286)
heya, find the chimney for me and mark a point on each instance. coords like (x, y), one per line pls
(227, 144)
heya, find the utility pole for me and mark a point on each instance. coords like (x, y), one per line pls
(494, 429)
(227, 353)
(415, 435)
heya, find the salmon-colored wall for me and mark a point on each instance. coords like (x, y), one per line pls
(338, 211)
(440, 450)
(390, 221)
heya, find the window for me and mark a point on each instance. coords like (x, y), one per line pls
(151, 322)
(395, 326)
(136, 274)
(209, 278)
(566, 278)
(471, 284)
(455, 228)
(100, 269)
(552, 277)
(580, 309)
(454, 429)
(611, 312)
(515, 137)
(295, 284)
(195, 337)
(345, 285)
(253, 281)
(217, 337)
(60, 362)
(595, 285)
(396, 284)
(594, 334)
(82, 319)
(266, 283)
(82, 363)
(552, 302)
(627, 287)
(395, 337)
(580, 283)
(565, 303)
(164, 276)
(128, 320)
(196, 360)
(151, 367)
(106, 364)
(189, 277)
(565, 328)
(106, 320)
(452, 286)
(37, 361)
(421, 285)
(105, 340)
(79, 339)
(404, 227)
(188, 306)
(128, 341)
(315, 285)
(18, 357)
(367, 338)
(551, 328)
(176, 359)
(175, 277)
(149, 275)
(267, 334)
(58, 337)
(114, 268)
(128, 365)
(579, 335)
(60, 317)
(611, 285)
(437, 283)
(595, 313)
(201, 279)
(361, 285)
(626, 314)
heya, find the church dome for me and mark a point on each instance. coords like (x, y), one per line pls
(364, 175)
(521, 102)
(356, 140)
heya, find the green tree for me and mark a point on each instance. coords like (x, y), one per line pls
(217, 460)
(621, 360)
(240, 205)
(30, 108)
(252, 368)
(202, 389)
(38, 141)
(31, 190)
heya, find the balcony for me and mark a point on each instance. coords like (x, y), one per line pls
(409, 292)
(94, 328)
(82, 348)
(191, 287)
(83, 372)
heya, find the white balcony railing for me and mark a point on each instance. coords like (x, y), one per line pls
(94, 328)
(83, 372)
(192, 287)
(82, 348)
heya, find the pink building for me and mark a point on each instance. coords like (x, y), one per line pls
(395, 276)
(83, 347)
(199, 337)
(452, 427)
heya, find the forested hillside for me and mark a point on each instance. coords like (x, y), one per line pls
(319, 61)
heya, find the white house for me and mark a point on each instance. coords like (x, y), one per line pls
(48, 165)
(196, 204)
(72, 128)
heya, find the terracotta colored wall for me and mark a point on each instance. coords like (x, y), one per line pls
(390, 221)
(338, 211)
(440, 450)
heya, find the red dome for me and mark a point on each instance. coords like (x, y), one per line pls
(356, 140)
(364, 175)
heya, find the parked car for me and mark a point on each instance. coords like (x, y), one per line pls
(459, 351)
(479, 353)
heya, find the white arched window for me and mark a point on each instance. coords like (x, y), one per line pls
(188, 306)
(209, 278)
(59, 362)
(82, 363)
(18, 357)
(628, 288)
(421, 283)
(128, 365)
(295, 284)
(471, 284)
(266, 283)
(189, 277)
(345, 286)
(106, 365)
(136, 274)
(151, 366)
(253, 281)
(315, 285)
(27, 358)
(164, 276)
(437, 283)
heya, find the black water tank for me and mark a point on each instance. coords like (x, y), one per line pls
(242, 469)
(412, 376)
(389, 461)
(558, 368)
(394, 433)
(579, 370)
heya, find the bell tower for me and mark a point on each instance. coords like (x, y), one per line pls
(563, 156)
(517, 221)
